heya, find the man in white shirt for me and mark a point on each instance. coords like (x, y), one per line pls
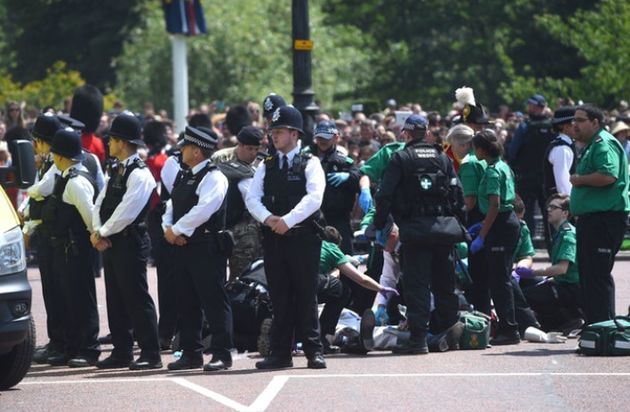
(68, 214)
(195, 214)
(285, 195)
(560, 158)
(120, 232)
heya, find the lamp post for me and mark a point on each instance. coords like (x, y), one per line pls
(302, 83)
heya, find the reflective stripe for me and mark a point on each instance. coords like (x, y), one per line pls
(589, 344)
(622, 344)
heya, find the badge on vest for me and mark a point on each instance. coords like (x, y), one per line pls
(425, 152)
(292, 177)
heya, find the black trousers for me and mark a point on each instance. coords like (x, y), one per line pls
(478, 292)
(130, 308)
(498, 252)
(532, 196)
(342, 224)
(554, 302)
(51, 290)
(335, 295)
(292, 269)
(167, 284)
(426, 269)
(200, 270)
(525, 316)
(72, 265)
(599, 237)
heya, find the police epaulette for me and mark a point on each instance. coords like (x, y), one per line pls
(141, 164)
(211, 166)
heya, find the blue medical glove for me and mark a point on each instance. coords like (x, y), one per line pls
(516, 276)
(380, 238)
(389, 292)
(477, 245)
(365, 199)
(525, 273)
(475, 229)
(338, 178)
(382, 318)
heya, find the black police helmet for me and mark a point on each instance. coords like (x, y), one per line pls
(287, 117)
(271, 103)
(127, 127)
(45, 127)
(67, 143)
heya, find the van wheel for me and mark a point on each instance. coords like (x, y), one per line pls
(15, 364)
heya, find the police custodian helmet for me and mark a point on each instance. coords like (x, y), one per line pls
(287, 117)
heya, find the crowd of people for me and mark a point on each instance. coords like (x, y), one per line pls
(425, 193)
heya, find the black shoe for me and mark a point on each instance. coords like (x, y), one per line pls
(146, 362)
(58, 359)
(42, 354)
(506, 339)
(414, 346)
(165, 343)
(81, 362)
(186, 362)
(105, 340)
(113, 362)
(273, 362)
(316, 361)
(448, 339)
(218, 363)
(571, 327)
(366, 328)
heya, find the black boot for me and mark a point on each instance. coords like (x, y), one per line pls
(417, 345)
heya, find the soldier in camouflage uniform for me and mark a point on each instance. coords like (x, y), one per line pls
(238, 167)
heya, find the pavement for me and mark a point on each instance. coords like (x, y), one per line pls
(524, 377)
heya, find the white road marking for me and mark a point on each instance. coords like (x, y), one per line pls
(274, 387)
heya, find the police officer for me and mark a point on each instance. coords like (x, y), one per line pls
(120, 232)
(240, 170)
(342, 181)
(43, 131)
(497, 235)
(561, 156)
(285, 196)
(194, 216)
(68, 214)
(526, 155)
(599, 199)
(420, 189)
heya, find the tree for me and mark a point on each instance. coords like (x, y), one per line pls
(426, 49)
(245, 55)
(86, 34)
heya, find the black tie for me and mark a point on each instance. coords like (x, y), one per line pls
(285, 164)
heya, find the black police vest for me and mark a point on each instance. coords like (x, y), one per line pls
(35, 207)
(116, 189)
(338, 201)
(90, 164)
(528, 163)
(549, 178)
(425, 184)
(62, 218)
(235, 172)
(283, 190)
(184, 198)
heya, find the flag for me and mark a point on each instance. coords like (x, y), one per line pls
(184, 17)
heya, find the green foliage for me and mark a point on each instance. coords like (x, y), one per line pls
(601, 38)
(58, 85)
(84, 33)
(426, 49)
(245, 55)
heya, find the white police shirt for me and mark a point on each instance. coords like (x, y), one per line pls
(140, 185)
(169, 172)
(211, 191)
(80, 193)
(561, 158)
(310, 203)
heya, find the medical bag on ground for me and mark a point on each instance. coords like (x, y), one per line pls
(476, 330)
(607, 338)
